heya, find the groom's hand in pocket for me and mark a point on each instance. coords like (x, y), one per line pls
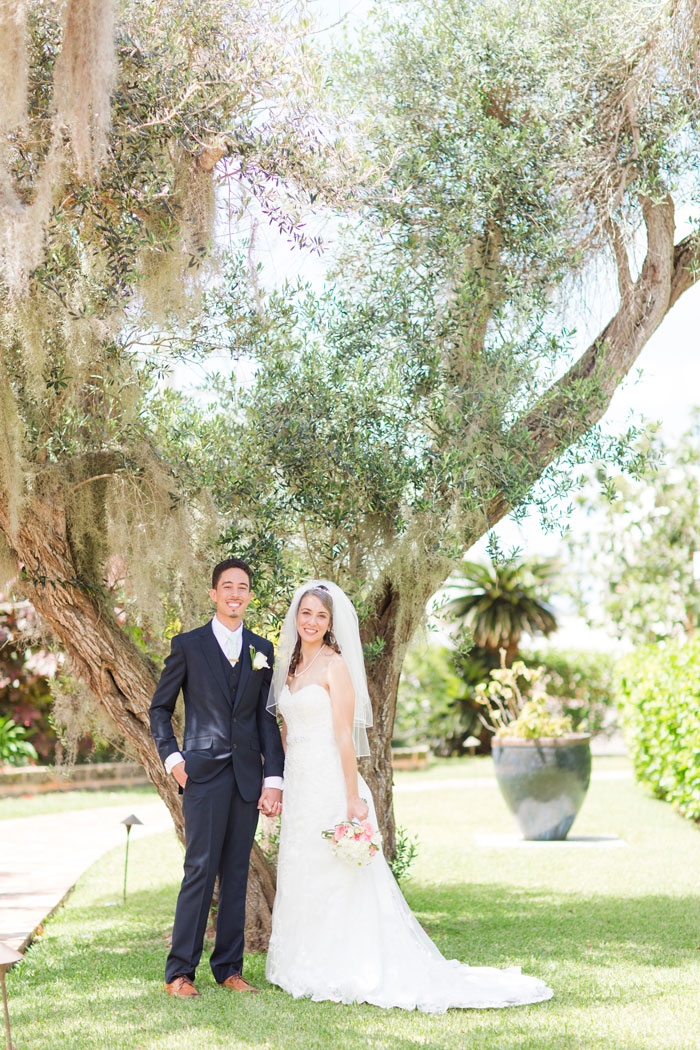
(179, 773)
(270, 802)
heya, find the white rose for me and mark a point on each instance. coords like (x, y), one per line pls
(260, 662)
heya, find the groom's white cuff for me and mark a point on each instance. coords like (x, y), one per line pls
(172, 760)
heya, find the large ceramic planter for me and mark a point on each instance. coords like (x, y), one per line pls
(544, 781)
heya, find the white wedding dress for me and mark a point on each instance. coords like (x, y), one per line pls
(343, 932)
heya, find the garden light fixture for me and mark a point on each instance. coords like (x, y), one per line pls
(8, 956)
(128, 822)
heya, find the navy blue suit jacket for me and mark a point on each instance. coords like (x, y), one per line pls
(219, 727)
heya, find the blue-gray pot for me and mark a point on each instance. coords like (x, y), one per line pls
(543, 781)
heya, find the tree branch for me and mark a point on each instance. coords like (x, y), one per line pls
(686, 266)
(624, 277)
(551, 426)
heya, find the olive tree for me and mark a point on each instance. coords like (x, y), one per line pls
(393, 418)
(434, 385)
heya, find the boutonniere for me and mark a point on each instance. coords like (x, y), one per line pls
(258, 661)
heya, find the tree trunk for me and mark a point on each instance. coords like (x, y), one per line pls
(395, 626)
(511, 647)
(105, 658)
(383, 682)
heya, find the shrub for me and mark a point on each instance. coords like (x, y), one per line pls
(15, 749)
(438, 703)
(429, 708)
(34, 696)
(659, 695)
(583, 681)
(405, 851)
(24, 677)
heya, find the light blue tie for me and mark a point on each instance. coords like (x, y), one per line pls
(231, 648)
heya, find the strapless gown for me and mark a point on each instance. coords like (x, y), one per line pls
(345, 933)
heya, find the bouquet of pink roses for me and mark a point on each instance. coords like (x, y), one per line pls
(357, 842)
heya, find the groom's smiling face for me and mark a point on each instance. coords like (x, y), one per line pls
(231, 597)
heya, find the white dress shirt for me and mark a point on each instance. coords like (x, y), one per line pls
(231, 643)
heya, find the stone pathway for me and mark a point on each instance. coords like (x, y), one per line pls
(41, 859)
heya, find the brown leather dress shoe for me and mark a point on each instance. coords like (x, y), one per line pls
(236, 983)
(181, 987)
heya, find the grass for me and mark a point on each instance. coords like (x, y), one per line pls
(480, 766)
(614, 930)
(62, 801)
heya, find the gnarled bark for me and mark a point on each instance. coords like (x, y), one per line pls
(395, 624)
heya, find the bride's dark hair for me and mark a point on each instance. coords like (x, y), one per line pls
(329, 638)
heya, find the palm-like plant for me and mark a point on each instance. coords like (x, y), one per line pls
(498, 603)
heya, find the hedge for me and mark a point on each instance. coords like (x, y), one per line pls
(658, 690)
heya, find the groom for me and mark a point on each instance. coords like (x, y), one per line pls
(224, 672)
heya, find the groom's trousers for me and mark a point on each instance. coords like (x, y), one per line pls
(219, 831)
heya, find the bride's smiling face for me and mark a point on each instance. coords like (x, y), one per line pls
(313, 619)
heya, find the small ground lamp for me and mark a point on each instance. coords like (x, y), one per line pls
(128, 822)
(8, 956)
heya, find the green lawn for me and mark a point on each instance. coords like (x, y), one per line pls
(480, 766)
(614, 930)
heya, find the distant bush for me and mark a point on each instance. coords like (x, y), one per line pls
(27, 679)
(430, 704)
(24, 678)
(437, 703)
(15, 749)
(583, 680)
(659, 694)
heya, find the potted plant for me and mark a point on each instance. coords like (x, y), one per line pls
(543, 767)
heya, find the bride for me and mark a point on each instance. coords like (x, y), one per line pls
(343, 932)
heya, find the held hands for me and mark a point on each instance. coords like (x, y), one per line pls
(270, 802)
(357, 809)
(179, 773)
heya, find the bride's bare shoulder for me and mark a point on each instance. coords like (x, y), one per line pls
(336, 668)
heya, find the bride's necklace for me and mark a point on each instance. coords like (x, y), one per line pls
(298, 673)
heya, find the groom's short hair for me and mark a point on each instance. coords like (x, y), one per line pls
(230, 563)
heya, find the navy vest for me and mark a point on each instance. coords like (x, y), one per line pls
(231, 671)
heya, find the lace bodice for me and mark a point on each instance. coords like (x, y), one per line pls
(308, 715)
